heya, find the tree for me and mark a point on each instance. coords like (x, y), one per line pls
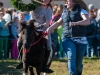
(19, 5)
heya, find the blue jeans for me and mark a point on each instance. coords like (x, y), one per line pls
(49, 43)
(75, 52)
(95, 46)
(89, 49)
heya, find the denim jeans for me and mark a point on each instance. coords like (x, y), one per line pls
(75, 52)
(49, 43)
(95, 46)
(89, 50)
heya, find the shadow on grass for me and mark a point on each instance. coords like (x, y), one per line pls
(60, 60)
(85, 58)
(92, 58)
(7, 67)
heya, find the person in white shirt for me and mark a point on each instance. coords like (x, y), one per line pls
(7, 18)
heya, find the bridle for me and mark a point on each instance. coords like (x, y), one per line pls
(43, 35)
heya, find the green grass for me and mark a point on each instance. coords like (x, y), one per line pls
(91, 67)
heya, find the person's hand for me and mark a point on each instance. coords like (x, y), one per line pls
(73, 23)
(47, 31)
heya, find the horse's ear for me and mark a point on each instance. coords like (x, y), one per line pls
(22, 26)
(23, 23)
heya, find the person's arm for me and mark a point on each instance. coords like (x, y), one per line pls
(48, 17)
(7, 23)
(13, 31)
(47, 23)
(7, 18)
(85, 17)
(84, 22)
(54, 26)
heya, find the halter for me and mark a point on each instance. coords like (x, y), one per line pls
(43, 35)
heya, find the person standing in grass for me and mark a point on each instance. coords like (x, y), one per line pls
(14, 32)
(75, 17)
(98, 37)
(91, 31)
(21, 18)
(4, 33)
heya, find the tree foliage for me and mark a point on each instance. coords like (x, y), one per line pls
(19, 5)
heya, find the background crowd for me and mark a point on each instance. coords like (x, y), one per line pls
(9, 31)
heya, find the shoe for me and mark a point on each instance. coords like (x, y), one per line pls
(19, 66)
(47, 70)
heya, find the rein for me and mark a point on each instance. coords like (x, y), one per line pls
(43, 35)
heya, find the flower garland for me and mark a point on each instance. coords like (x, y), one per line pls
(19, 5)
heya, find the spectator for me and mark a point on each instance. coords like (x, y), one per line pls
(98, 37)
(91, 31)
(54, 35)
(21, 18)
(94, 43)
(27, 16)
(1, 7)
(7, 15)
(60, 51)
(14, 14)
(53, 13)
(7, 18)
(4, 33)
(14, 32)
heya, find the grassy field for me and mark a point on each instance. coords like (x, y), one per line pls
(91, 67)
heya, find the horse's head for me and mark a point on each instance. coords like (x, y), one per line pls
(30, 24)
(30, 35)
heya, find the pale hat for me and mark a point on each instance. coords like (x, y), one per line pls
(91, 6)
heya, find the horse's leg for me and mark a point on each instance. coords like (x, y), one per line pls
(44, 73)
(31, 71)
(38, 69)
(50, 57)
(25, 68)
(47, 64)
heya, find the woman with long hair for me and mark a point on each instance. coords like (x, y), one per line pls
(74, 17)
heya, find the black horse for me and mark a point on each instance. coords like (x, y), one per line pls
(33, 48)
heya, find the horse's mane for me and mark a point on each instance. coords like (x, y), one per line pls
(30, 24)
(22, 26)
(25, 24)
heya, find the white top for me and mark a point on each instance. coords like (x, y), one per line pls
(7, 17)
(83, 11)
